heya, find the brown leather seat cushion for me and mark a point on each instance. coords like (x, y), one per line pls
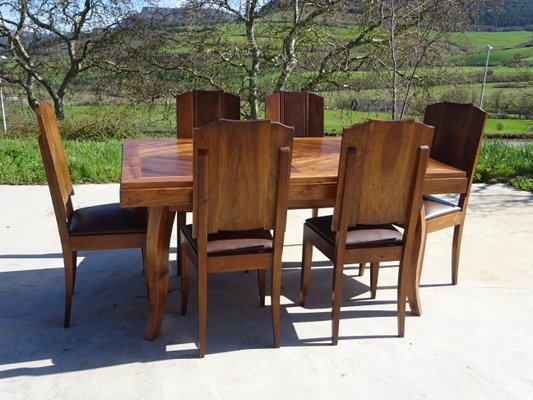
(436, 207)
(358, 236)
(234, 242)
(108, 219)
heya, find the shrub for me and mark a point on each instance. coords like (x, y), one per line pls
(99, 128)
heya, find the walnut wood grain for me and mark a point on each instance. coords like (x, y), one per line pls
(199, 107)
(104, 227)
(459, 131)
(240, 184)
(158, 173)
(303, 111)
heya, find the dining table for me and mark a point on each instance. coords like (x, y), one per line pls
(157, 174)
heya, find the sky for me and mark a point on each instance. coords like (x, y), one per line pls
(169, 3)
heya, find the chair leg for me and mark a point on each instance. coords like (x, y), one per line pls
(314, 213)
(401, 300)
(456, 251)
(143, 253)
(362, 267)
(307, 254)
(202, 308)
(337, 295)
(74, 269)
(69, 261)
(180, 221)
(261, 281)
(185, 267)
(374, 273)
(276, 293)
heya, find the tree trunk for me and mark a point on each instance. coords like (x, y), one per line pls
(394, 61)
(58, 108)
(253, 92)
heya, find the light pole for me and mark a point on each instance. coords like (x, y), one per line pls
(489, 48)
(4, 123)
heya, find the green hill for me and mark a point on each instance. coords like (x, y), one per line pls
(507, 14)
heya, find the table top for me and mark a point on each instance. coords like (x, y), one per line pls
(158, 172)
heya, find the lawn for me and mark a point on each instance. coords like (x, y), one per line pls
(161, 120)
(499, 40)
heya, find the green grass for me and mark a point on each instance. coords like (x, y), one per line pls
(510, 126)
(20, 161)
(89, 161)
(498, 57)
(119, 122)
(503, 162)
(335, 120)
(497, 72)
(499, 40)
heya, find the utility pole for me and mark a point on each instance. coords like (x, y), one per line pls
(489, 48)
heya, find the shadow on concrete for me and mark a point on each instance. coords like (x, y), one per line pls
(110, 306)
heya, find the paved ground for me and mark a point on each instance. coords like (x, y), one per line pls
(474, 340)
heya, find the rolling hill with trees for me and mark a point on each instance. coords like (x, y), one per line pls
(506, 14)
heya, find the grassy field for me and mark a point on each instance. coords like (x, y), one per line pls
(161, 119)
(501, 40)
(503, 80)
(89, 161)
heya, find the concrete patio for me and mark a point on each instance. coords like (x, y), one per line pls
(473, 341)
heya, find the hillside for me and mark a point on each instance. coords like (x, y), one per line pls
(507, 14)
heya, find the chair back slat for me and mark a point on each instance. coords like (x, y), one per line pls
(459, 130)
(303, 111)
(386, 160)
(242, 173)
(200, 107)
(55, 162)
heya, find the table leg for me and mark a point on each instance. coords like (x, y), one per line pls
(180, 222)
(160, 221)
(415, 264)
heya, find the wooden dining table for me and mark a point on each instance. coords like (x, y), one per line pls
(158, 174)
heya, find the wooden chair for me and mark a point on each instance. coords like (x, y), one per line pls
(98, 227)
(196, 108)
(302, 110)
(199, 107)
(240, 193)
(457, 140)
(381, 171)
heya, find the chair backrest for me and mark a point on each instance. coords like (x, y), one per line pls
(302, 110)
(199, 107)
(381, 171)
(55, 165)
(240, 174)
(458, 132)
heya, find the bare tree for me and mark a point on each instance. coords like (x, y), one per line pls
(318, 44)
(47, 44)
(286, 44)
(413, 47)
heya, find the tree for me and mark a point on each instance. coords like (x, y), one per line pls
(284, 45)
(319, 44)
(413, 45)
(47, 44)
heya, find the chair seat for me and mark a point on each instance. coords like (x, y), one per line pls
(436, 207)
(108, 219)
(233, 242)
(359, 236)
